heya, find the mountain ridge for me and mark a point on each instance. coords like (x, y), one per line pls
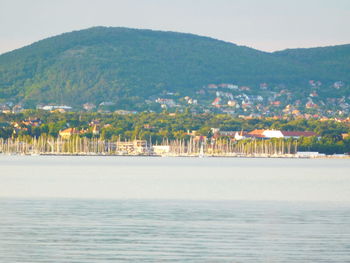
(129, 65)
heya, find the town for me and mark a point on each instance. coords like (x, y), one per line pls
(166, 133)
(279, 102)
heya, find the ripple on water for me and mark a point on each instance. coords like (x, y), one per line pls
(172, 231)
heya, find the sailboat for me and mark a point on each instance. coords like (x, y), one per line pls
(201, 152)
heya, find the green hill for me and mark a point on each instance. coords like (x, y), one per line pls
(321, 63)
(129, 65)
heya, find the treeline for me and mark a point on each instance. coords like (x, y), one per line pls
(156, 127)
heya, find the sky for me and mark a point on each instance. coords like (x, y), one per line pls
(267, 25)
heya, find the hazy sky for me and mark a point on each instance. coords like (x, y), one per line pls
(263, 24)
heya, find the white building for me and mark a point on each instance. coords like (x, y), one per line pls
(161, 149)
(273, 134)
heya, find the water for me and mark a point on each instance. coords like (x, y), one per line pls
(109, 209)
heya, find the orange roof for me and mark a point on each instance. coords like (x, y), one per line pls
(276, 103)
(257, 132)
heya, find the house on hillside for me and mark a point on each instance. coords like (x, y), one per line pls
(33, 122)
(276, 103)
(232, 103)
(125, 112)
(54, 107)
(89, 106)
(5, 109)
(216, 102)
(17, 109)
(212, 86)
(311, 105)
(166, 102)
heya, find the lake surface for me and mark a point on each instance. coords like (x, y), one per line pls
(131, 209)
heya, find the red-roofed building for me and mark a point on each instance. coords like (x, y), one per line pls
(216, 102)
(276, 103)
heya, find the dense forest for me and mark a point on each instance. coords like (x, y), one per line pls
(127, 66)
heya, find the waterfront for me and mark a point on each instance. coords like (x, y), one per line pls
(85, 146)
(141, 209)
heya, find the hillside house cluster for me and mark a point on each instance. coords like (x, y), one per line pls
(262, 101)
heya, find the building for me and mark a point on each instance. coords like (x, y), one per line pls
(345, 135)
(89, 106)
(311, 105)
(124, 112)
(161, 149)
(241, 135)
(216, 102)
(232, 103)
(54, 107)
(257, 134)
(276, 103)
(5, 109)
(167, 102)
(67, 133)
(309, 154)
(17, 109)
(297, 134)
(133, 147)
(269, 134)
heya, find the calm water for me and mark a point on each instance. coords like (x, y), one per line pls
(109, 209)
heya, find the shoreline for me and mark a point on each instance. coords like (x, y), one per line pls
(289, 156)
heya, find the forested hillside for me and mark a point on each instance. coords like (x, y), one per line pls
(322, 63)
(127, 66)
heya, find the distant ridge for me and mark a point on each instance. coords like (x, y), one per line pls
(129, 65)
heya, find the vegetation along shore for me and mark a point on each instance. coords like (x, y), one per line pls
(169, 134)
